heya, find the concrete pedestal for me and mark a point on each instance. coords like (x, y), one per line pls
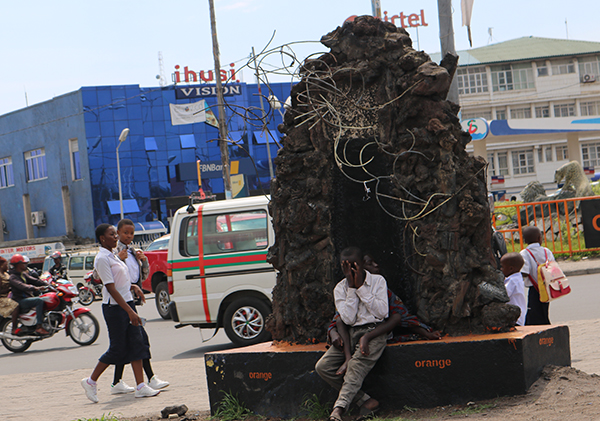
(274, 380)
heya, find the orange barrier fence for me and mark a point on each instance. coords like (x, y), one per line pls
(560, 220)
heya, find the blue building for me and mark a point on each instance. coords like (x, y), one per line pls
(58, 168)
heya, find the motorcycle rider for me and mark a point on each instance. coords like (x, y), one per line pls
(58, 270)
(25, 289)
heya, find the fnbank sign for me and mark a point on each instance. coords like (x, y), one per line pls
(411, 20)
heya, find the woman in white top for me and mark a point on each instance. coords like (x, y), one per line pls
(123, 323)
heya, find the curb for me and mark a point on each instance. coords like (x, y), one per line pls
(578, 272)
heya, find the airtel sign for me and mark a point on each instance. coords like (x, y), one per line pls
(406, 21)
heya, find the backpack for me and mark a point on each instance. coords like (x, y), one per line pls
(552, 282)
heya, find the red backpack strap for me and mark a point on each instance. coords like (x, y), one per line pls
(533, 281)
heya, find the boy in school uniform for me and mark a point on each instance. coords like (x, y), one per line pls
(362, 302)
(511, 264)
(535, 254)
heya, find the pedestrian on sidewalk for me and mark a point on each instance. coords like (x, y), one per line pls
(137, 265)
(126, 342)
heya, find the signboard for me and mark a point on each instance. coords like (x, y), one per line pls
(33, 251)
(478, 127)
(204, 90)
(409, 20)
(590, 217)
(497, 179)
(190, 76)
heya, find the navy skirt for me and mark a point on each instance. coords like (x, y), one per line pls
(127, 342)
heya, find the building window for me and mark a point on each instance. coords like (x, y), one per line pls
(517, 113)
(502, 163)
(590, 153)
(472, 80)
(523, 162)
(7, 178)
(501, 114)
(542, 112)
(508, 78)
(563, 67)
(491, 167)
(35, 162)
(548, 150)
(589, 108)
(564, 110)
(540, 154)
(75, 162)
(468, 115)
(542, 69)
(588, 66)
(562, 153)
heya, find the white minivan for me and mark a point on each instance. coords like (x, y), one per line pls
(217, 272)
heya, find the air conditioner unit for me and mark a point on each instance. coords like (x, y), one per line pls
(38, 218)
(589, 78)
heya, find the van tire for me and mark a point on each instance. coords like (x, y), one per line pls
(245, 321)
(162, 300)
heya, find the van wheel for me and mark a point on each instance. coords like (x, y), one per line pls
(245, 320)
(162, 299)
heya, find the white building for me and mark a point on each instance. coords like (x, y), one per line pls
(541, 98)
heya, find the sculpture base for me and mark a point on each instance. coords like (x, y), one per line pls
(274, 380)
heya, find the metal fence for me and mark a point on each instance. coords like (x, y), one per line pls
(559, 220)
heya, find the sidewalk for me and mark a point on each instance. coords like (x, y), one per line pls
(582, 267)
(58, 396)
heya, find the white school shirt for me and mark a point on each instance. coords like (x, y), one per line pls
(530, 266)
(112, 271)
(132, 263)
(516, 292)
(367, 304)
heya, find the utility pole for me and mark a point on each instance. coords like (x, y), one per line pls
(447, 41)
(376, 8)
(264, 121)
(221, 104)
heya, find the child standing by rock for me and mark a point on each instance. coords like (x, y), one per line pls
(511, 264)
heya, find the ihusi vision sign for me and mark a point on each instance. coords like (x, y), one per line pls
(203, 91)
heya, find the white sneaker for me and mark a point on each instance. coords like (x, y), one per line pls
(121, 387)
(90, 390)
(156, 383)
(146, 392)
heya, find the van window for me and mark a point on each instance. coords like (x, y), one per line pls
(76, 263)
(89, 262)
(225, 233)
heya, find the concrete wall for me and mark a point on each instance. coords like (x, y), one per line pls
(47, 125)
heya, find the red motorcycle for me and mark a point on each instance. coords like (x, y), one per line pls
(91, 289)
(80, 324)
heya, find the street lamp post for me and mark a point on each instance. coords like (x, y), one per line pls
(122, 138)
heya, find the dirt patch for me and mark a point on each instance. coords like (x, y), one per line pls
(560, 393)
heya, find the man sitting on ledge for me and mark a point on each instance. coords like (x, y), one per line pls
(361, 300)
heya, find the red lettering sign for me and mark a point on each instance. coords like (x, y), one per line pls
(206, 76)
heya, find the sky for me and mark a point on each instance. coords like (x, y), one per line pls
(51, 48)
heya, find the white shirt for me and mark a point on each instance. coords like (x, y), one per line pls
(132, 262)
(530, 266)
(367, 304)
(516, 292)
(112, 271)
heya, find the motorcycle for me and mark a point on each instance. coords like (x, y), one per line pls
(90, 290)
(80, 324)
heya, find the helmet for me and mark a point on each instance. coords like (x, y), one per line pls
(56, 255)
(16, 259)
(26, 259)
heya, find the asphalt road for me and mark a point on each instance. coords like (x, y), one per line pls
(167, 343)
(61, 353)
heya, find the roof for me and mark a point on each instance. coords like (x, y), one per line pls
(525, 48)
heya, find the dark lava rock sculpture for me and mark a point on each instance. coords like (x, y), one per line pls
(374, 156)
